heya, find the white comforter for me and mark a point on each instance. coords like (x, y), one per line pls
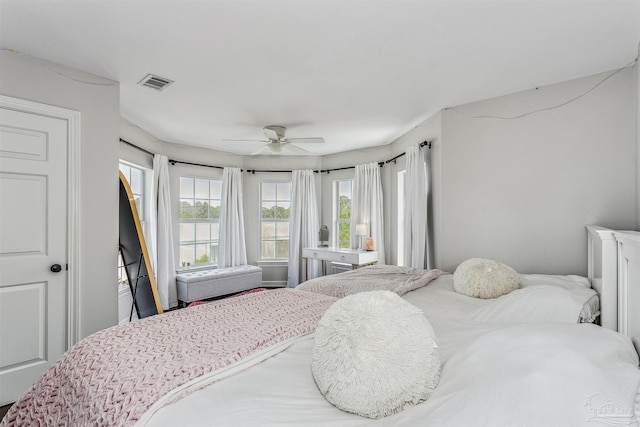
(525, 374)
(541, 298)
(521, 361)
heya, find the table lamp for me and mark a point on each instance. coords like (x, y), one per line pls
(361, 230)
(323, 236)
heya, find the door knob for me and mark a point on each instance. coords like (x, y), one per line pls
(56, 268)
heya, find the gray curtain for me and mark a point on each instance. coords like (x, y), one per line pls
(367, 207)
(303, 226)
(415, 209)
(162, 234)
(232, 249)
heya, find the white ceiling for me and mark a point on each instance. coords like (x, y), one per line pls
(359, 73)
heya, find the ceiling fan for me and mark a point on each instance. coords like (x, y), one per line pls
(276, 141)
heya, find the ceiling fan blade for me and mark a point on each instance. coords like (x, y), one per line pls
(294, 149)
(263, 150)
(245, 140)
(317, 140)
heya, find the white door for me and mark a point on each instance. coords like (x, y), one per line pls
(33, 243)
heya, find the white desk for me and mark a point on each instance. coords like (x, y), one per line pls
(357, 258)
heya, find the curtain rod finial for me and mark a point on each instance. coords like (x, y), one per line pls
(427, 143)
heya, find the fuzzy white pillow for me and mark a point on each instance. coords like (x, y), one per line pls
(485, 278)
(375, 354)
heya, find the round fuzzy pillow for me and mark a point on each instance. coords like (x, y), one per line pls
(484, 278)
(375, 354)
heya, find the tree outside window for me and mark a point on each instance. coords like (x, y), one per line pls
(275, 212)
(344, 195)
(200, 200)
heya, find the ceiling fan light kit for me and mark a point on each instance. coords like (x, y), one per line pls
(274, 146)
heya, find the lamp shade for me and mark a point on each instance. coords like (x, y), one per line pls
(323, 234)
(361, 229)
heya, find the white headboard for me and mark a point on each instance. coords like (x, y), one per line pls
(629, 284)
(602, 271)
(614, 271)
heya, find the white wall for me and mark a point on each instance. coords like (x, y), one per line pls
(26, 78)
(637, 120)
(522, 190)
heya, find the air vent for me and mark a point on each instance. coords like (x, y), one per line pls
(155, 82)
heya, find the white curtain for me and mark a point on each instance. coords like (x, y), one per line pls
(303, 226)
(367, 207)
(162, 234)
(232, 248)
(415, 209)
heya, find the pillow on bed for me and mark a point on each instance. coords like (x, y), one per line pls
(375, 354)
(484, 278)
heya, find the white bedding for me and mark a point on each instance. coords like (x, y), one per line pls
(541, 298)
(516, 361)
(493, 375)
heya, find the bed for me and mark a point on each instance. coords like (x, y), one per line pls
(533, 357)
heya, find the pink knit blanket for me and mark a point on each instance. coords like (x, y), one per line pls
(113, 376)
(374, 278)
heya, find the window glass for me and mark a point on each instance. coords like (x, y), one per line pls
(200, 200)
(344, 195)
(135, 177)
(275, 211)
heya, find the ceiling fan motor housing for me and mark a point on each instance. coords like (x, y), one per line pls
(275, 132)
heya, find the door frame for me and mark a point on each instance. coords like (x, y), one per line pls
(73, 202)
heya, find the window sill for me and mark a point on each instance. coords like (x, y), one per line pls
(196, 268)
(273, 263)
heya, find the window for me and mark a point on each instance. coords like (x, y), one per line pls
(200, 200)
(344, 194)
(136, 178)
(275, 211)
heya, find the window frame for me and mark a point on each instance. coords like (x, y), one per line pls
(336, 214)
(213, 260)
(142, 207)
(274, 220)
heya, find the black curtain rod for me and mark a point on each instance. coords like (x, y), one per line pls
(139, 148)
(422, 144)
(254, 171)
(337, 169)
(381, 164)
(173, 162)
